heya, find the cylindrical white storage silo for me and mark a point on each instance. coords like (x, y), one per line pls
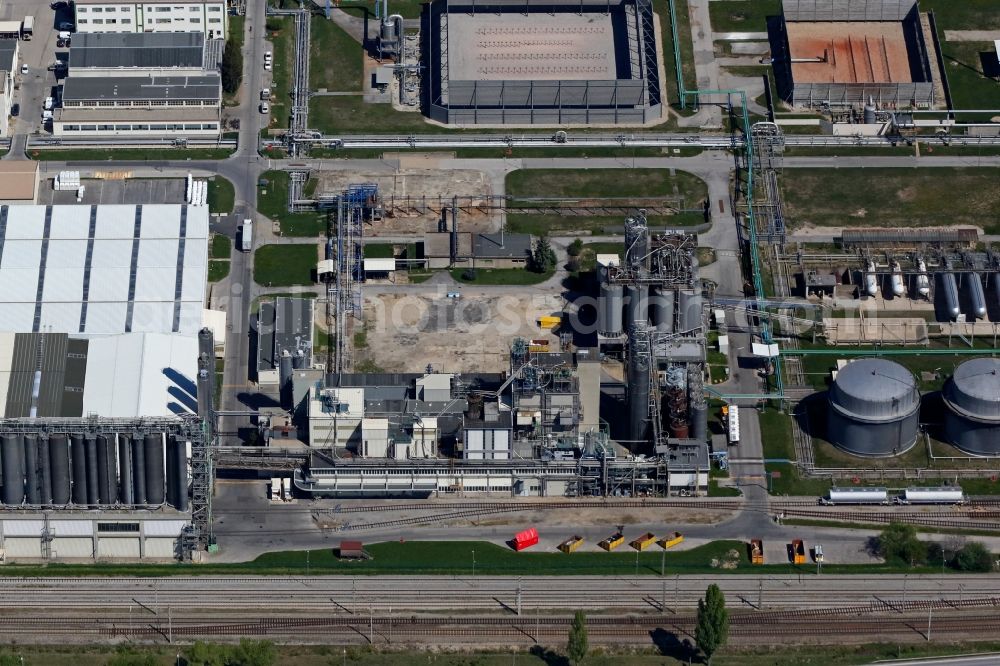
(874, 408)
(972, 398)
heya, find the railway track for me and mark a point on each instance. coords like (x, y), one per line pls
(835, 622)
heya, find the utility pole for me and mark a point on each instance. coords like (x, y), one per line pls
(677, 585)
(760, 594)
(905, 577)
(170, 626)
(930, 613)
(473, 563)
(371, 625)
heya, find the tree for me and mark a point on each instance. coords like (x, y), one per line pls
(576, 646)
(254, 653)
(974, 556)
(898, 543)
(712, 628)
(543, 257)
(575, 248)
(207, 654)
(231, 67)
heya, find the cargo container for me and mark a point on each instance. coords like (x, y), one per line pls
(571, 544)
(818, 553)
(549, 322)
(855, 496)
(798, 551)
(275, 489)
(525, 539)
(672, 540)
(931, 496)
(612, 541)
(286, 489)
(756, 551)
(643, 542)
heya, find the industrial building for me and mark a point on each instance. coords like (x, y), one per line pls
(108, 54)
(284, 330)
(874, 408)
(9, 52)
(145, 105)
(205, 16)
(103, 269)
(844, 53)
(443, 249)
(533, 62)
(651, 305)
(18, 182)
(972, 398)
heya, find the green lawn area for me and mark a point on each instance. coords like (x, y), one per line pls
(776, 436)
(323, 655)
(284, 265)
(409, 9)
(715, 490)
(217, 269)
(604, 183)
(964, 15)
(222, 247)
(336, 58)
(538, 225)
(742, 15)
(817, 368)
(888, 197)
(221, 195)
(130, 154)
(669, 83)
(512, 276)
(379, 251)
(272, 201)
(352, 114)
(970, 88)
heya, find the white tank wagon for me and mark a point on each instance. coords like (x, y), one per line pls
(932, 496)
(838, 496)
(923, 282)
(871, 279)
(898, 288)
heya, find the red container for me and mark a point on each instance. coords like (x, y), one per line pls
(525, 539)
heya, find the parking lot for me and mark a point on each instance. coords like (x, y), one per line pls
(130, 191)
(38, 53)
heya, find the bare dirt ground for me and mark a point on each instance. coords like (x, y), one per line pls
(405, 333)
(413, 198)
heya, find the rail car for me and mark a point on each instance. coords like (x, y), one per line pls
(931, 496)
(855, 496)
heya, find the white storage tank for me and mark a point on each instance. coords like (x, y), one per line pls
(972, 398)
(874, 408)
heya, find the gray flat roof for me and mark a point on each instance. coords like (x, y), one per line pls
(142, 49)
(7, 49)
(201, 87)
(501, 245)
(284, 325)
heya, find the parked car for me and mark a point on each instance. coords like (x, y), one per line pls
(15, 109)
(265, 93)
(265, 107)
(46, 115)
(24, 69)
(67, 25)
(47, 104)
(60, 43)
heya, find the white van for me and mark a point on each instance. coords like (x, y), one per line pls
(46, 116)
(47, 105)
(63, 34)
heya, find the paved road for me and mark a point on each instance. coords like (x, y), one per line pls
(989, 659)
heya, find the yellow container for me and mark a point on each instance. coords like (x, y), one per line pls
(548, 322)
(569, 545)
(643, 542)
(672, 540)
(757, 551)
(612, 542)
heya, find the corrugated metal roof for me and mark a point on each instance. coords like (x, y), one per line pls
(501, 245)
(380, 265)
(139, 88)
(141, 49)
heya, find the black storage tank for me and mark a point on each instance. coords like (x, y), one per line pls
(138, 471)
(45, 470)
(59, 468)
(125, 470)
(79, 460)
(90, 449)
(155, 494)
(107, 486)
(32, 482)
(11, 451)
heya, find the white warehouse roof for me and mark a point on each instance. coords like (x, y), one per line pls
(103, 269)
